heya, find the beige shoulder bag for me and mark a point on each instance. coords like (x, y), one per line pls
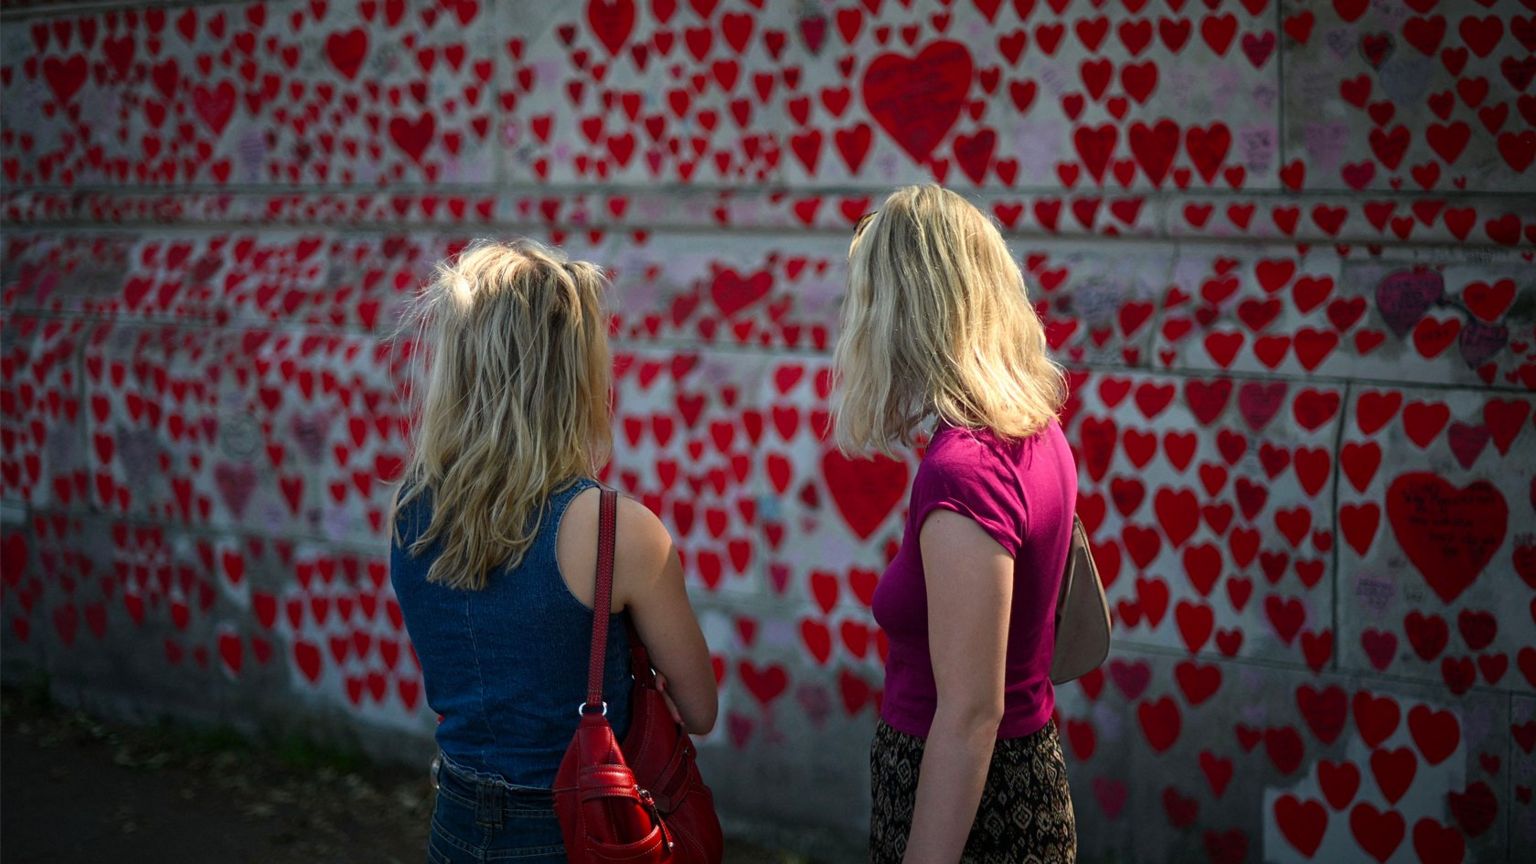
(1082, 613)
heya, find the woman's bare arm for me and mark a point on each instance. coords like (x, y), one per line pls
(970, 591)
(649, 581)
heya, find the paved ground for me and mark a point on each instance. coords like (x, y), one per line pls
(73, 789)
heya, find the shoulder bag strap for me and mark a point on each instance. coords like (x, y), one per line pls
(602, 601)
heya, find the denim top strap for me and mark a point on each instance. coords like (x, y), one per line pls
(506, 666)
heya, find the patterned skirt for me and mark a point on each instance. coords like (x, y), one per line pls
(1025, 814)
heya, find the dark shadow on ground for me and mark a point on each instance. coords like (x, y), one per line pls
(76, 789)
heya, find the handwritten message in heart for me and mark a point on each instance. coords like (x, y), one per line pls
(1450, 534)
(918, 99)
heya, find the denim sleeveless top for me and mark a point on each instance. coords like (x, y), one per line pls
(506, 666)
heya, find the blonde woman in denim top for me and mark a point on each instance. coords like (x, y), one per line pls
(495, 545)
(938, 339)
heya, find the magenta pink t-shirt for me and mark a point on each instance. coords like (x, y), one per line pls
(1023, 494)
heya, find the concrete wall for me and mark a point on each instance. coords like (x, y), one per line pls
(1285, 248)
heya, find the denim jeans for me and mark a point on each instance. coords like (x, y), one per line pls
(481, 818)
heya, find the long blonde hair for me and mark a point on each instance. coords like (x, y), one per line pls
(936, 324)
(512, 344)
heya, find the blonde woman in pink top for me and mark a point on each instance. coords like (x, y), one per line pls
(939, 338)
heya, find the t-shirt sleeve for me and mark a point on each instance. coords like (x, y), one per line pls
(965, 478)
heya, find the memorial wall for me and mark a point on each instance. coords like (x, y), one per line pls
(1284, 249)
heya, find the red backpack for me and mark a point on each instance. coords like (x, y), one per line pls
(642, 802)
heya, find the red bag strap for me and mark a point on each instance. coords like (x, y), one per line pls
(602, 602)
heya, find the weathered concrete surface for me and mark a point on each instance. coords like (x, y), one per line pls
(1285, 249)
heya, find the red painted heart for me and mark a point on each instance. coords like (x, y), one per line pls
(918, 99)
(1448, 533)
(865, 490)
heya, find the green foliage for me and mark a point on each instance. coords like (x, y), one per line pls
(303, 753)
(33, 694)
(172, 740)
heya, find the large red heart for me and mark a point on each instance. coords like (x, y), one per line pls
(1339, 781)
(732, 291)
(13, 554)
(1394, 770)
(346, 50)
(1302, 821)
(1379, 832)
(215, 105)
(918, 99)
(1155, 147)
(232, 652)
(865, 490)
(1437, 733)
(235, 483)
(66, 77)
(817, 638)
(1160, 722)
(765, 684)
(413, 137)
(1448, 533)
(612, 21)
(307, 656)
